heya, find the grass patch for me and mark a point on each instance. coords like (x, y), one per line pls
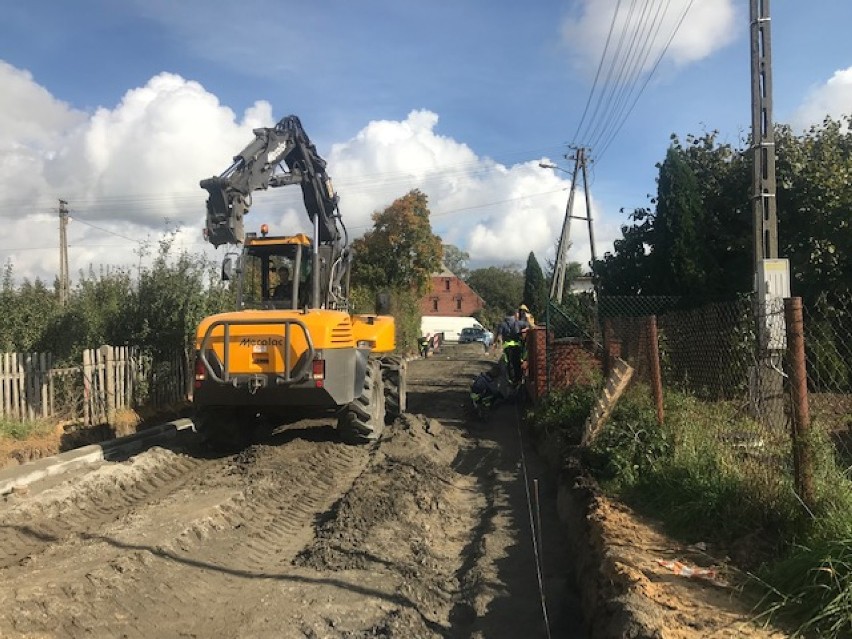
(18, 430)
(711, 473)
(813, 588)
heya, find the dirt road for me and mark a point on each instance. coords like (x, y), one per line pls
(427, 534)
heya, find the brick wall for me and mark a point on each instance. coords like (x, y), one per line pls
(571, 362)
(450, 296)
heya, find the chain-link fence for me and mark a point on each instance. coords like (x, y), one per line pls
(828, 351)
(729, 364)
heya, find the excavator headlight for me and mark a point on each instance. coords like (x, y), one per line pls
(366, 343)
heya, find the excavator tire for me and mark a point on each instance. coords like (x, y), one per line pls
(395, 375)
(363, 420)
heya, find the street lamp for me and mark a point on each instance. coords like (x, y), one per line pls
(545, 165)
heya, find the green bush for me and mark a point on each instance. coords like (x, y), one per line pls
(631, 444)
(564, 410)
(405, 308)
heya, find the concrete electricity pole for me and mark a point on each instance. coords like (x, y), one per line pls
(64, 278)
(771, 274)
(763, 136)
(560, 267)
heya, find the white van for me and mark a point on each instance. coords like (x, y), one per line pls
(449, 326)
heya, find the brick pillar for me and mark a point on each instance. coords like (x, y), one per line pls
(537, 362)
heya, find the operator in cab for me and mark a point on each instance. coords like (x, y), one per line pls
(284, 289)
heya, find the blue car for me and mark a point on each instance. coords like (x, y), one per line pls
(473, 334)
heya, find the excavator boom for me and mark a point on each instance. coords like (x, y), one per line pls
(261, 165)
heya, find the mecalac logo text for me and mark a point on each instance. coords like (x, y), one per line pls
(268, 341)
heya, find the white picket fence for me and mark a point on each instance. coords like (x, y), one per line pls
(110, 378)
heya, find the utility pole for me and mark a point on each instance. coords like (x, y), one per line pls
(64, 283)
(557, 284)
(771, 274)
(763, 136)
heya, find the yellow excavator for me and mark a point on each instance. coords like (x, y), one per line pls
(292, 345)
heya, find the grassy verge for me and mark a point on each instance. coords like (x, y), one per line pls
(712, 474)
(19, 431)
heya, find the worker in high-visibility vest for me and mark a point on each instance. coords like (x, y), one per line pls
(511, 335)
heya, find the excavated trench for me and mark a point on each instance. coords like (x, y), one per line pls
(447, 528)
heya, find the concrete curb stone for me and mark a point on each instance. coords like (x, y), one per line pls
(21, 476)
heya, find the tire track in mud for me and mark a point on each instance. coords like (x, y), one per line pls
(78, 508)
(193, 555)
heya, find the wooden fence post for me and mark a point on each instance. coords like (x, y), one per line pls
(88, 416)
(803, 462)
(654, 363)
(109, 379)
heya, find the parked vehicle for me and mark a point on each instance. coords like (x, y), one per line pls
(473, 334)
(450, 327)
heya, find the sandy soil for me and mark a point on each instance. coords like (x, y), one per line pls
(447, 528)
(425, 535)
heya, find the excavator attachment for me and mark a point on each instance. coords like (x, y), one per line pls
(224, 214)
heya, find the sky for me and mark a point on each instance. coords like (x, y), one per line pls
(121, 108)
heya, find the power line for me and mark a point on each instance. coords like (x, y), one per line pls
(598, 72)
(648, 78)
(99, 228)
(612, 100)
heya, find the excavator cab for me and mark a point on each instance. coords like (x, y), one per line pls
(275, 273)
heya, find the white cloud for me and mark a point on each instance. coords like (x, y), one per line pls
(834, 98)
(496, 213)
(709, 25)
(124, 169)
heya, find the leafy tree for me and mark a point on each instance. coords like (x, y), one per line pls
(500, 287)
(678, 262)
(456, 260)
(698, 237)
(28, 311)
(400, 251)
(723, 176)
(815, 205)
(172, 297)
(626, 271)
(98, 312)
(535, 288)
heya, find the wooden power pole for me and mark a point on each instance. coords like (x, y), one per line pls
(64, 277)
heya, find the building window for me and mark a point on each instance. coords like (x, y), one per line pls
(458, 303)
(447, 284)
(434, 303)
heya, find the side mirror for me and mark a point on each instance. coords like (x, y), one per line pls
(383, 303)
(227, 269)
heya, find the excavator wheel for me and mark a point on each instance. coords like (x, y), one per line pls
(395, 375)
(363, 420)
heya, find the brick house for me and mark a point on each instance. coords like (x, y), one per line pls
(450, 296)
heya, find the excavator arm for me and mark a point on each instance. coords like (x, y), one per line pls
(261, 165)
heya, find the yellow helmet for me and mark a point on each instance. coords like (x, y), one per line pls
(524, 308)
